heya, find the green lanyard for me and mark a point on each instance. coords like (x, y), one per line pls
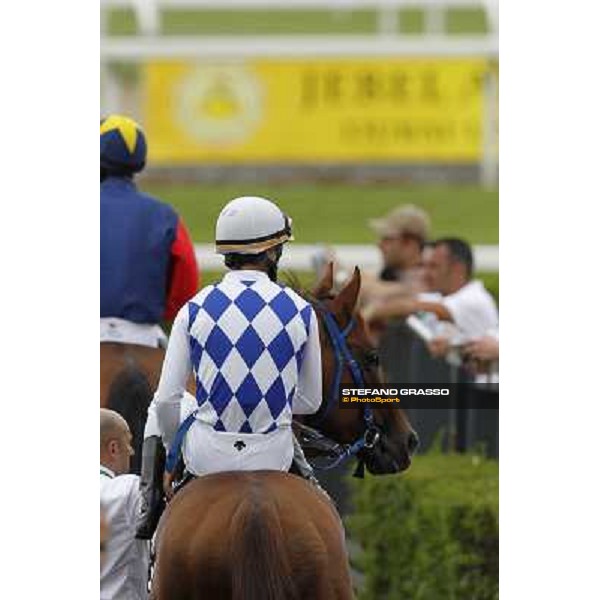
(105, 472)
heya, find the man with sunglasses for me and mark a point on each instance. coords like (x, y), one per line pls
(403, 233)
(402, 236)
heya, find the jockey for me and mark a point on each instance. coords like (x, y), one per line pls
(147, 263)
(253, 347)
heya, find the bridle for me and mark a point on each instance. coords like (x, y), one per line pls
(343, 358)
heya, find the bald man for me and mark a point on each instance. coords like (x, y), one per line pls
(124, 571)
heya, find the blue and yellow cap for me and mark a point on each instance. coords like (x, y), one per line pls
(122, 144)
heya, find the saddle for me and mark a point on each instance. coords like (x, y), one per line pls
(316, 445)
(183, 476)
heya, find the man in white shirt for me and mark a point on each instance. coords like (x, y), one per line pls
(465, 303)
(124, 571)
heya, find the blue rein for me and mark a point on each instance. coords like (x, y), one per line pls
(343, 358)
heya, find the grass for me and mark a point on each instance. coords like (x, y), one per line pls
(338, 213)
(230, 22)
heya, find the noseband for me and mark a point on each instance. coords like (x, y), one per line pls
(343, 359)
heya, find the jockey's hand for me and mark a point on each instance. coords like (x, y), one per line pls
(168, 485)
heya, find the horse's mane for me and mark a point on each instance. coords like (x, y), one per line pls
(292, 281)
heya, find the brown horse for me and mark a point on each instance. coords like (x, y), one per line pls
(129, 374)
(265, 535)
(251, 535)
(396, 440)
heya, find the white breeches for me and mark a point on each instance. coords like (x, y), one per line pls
(121, 331)
(208, 451)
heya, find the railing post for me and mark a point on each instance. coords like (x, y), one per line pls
(148, 16)
(435, 20)
(110, 91)
(387, 19)
(489, 150)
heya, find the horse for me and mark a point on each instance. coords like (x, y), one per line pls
(382, 439)
(129, 374)
(269, 535)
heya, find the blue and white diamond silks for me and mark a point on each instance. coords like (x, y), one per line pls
(247, 341)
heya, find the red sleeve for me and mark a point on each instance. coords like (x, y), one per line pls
(185, 277)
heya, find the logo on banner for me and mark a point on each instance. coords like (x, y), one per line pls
(220, 104)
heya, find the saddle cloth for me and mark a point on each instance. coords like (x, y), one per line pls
(121, 331)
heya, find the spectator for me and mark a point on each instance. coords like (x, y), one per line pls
(481, 357)
(402, 239)
(402, 235)
(486, 348)
(465, 302)
(104, 534)
(124, 570)
(426, 281)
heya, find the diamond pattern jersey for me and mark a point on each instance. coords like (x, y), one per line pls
(247, 341)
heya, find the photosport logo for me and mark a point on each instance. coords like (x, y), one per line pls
(434, 396)
(220, 104)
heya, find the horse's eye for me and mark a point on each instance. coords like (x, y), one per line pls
(372, 358)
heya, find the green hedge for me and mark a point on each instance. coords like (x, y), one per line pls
(431, 533)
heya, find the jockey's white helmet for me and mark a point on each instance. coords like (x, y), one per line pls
(251, 225)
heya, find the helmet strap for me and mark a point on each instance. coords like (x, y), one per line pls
(273, 263)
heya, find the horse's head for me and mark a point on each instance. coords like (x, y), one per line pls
(390, 448)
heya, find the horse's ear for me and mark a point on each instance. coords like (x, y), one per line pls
(323, 288)
(345, 301)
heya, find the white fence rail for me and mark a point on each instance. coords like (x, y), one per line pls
(300, 257)
(141, 49)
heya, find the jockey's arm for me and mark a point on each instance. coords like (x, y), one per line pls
(176, 369)
(184, 277)
(308, 396)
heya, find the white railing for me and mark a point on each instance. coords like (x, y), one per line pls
(140, 49)
(367, 256)
(148, 11)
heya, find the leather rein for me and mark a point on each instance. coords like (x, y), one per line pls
(343, 359)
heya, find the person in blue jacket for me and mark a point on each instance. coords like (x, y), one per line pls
(148, 268)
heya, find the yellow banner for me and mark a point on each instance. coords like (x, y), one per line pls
(319, 110)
